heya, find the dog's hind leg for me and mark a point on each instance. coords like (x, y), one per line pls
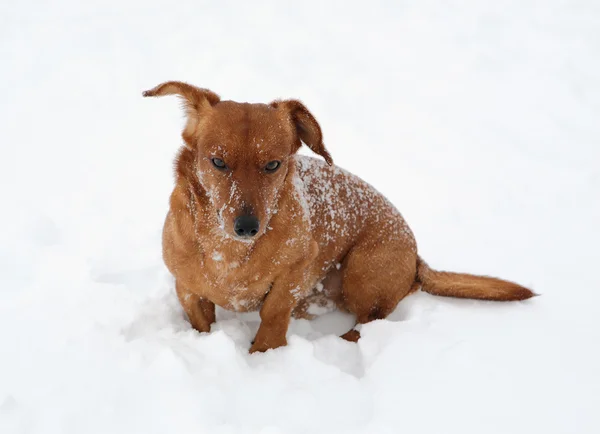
(376, 276)
(200, 311)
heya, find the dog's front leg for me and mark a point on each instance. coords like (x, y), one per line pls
(200, 311)
(275, 315)
(276, 311)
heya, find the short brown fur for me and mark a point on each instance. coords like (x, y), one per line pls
(326, 238)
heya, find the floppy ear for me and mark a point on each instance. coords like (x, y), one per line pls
(307, 127)
(195, 100)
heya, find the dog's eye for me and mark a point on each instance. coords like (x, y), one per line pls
(219, 164)
(272, 166)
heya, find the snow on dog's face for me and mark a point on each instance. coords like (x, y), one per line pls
(242, 162)
(242, 152)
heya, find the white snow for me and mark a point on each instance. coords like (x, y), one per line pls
(478, 120)
(317, 309)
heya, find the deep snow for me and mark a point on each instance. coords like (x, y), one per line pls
(478, 120)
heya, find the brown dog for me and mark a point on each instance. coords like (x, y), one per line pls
(254, 226)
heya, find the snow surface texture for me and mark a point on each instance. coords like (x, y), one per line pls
(479, 120)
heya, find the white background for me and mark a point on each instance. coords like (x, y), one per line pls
(479, 120)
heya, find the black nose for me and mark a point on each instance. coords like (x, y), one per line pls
(246, 226)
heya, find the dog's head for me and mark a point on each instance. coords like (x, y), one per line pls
(242, 152)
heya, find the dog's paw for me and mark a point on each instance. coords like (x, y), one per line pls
(261, 347)
(351, 336)
(257, 349)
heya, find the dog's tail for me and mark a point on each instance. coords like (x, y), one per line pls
(461, 285)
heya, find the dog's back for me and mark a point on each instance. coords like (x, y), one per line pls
(343, 208)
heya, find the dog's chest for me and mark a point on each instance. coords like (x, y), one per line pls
(232, 284)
